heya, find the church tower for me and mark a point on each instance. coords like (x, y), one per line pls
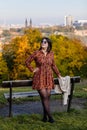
(26, 23)
(30, 25)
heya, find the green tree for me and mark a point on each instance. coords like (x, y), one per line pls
(3, 69)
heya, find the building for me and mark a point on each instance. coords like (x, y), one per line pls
(30, 25)
(80, 23)
(68, 20)
(26, 23)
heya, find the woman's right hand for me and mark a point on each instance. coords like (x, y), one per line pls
(59, 76)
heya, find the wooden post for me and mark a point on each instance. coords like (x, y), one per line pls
(10, 100)
(71, 95)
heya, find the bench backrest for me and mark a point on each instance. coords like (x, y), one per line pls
(27, 83)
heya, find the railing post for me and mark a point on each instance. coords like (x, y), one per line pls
(71, 95)
(10, 100)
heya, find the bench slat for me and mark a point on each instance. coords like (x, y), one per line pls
(21, 94)
(28, 83)
(25, 94)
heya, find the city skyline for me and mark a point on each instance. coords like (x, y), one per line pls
(41, 11)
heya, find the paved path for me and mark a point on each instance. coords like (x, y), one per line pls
(35, 107)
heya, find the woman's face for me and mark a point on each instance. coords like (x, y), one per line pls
(44, 44)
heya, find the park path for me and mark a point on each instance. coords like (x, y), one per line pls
(35, 107)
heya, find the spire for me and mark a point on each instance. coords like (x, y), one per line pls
(26, 23)
(30, 23)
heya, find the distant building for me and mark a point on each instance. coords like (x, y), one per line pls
(80, 23)
(68, 21)
(30, 25)
(26, 23)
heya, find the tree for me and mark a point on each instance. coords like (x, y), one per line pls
(3, 69)
(69, 55)
(18, 50)
(26, 45)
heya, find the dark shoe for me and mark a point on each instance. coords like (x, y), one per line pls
(51, 120)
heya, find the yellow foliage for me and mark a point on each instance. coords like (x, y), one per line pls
(69, 54)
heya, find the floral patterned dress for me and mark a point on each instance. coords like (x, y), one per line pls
(43, 78)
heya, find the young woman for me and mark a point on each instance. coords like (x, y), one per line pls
(43, 75)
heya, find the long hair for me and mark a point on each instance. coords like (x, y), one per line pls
(49, 44)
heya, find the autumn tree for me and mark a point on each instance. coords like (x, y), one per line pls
(3, 69)
(69, 54)
(18, 50)
(34, 36)
(26, 45)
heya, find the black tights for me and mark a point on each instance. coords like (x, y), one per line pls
(45, 98)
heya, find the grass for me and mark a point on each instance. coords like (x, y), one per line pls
(74, 120)
(80, 90)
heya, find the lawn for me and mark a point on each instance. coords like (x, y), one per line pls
(75, 120)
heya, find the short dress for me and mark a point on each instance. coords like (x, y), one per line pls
(43, 78)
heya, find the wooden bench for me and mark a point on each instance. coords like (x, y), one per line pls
(28, 83)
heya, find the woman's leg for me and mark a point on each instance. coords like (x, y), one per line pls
(50, 117)
(45, 98)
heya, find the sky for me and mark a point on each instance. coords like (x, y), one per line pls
(41, 11)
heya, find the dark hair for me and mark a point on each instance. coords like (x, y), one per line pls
(49, 44)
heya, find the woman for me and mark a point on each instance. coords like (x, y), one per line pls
(43, 76)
